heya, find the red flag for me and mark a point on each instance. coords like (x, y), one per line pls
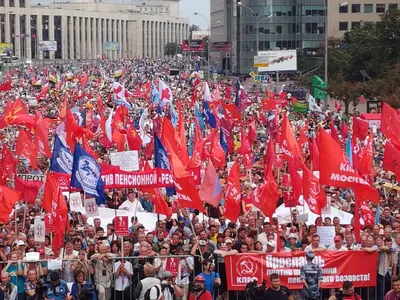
(360, 128)
(252, 132)
(63, 109)
(83, 80)
(119, 119)
(335, 169)
(5, 86)
(211, 191)
(88, 148)
(390, 122)
(28, 189)
(71, 128)
(160, 206)
(8, 198)
(338, 107)
(365, 162)
(184, 182)
(7, 165)
(334, 133)
(314, 152)
(42, 137)
(266, 196)
(232, 194)
(314, 194)
(48, 195)
(195, 160)
(245, 146)
(217, 153)
(119, 139)
(26, 149)
(170, 136)
(43, 93)
(13, 110)
(133, 138)
(270, 158)
(391, 159)
(287, 142)
(303, 136)
(344, 130)
(297, 186)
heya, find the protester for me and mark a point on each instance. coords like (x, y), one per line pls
(277, 291)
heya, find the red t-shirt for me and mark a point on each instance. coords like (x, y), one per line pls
(206, 295)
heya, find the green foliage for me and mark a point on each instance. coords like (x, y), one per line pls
(375, 48)
(171, 48)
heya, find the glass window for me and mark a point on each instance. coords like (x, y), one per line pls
(279, 29)
(380, 8)
(368, 8)
(344, 9)
(343, 26)
(393, 6)
(355, 25)
(356, 8)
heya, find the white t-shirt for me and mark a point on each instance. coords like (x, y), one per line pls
(333, 248)
(310, 248)
(132, 206)
(122, 282)
(184, 264)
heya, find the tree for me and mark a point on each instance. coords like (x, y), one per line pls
(171, 48)
(191, 29)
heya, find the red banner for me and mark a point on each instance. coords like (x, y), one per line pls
(48, 223)
(359, 267)
(221, 46)
(193, 45)
(171, 265)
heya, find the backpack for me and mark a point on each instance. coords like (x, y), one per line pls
(147, 294)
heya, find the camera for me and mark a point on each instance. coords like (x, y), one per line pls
(253, 291)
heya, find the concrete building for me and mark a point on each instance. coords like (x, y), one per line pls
(345, 18)
(83, 27)
(281, 24)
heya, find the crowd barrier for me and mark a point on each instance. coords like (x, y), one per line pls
(109, 292)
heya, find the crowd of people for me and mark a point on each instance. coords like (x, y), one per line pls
(98, 263)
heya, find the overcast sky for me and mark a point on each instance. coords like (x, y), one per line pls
(189, 7)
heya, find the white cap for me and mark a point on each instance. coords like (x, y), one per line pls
(271, 243)
(21, 243)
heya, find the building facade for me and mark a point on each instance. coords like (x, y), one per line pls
(82, 28)
(346, 18)
(283, 24)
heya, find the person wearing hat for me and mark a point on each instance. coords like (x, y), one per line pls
(169, 288)
(337, 244)
(271, 246)
(198, 291)
(56, 289)
(311, 277)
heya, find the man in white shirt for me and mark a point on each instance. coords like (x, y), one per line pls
(337, 244)
(132, 204)
(315, 245)
(122, 273)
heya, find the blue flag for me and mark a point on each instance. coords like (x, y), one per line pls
(237, 98)
(222, 140)
(349, 150)
(210, 118)
(61, 159)
(161, 160)
(199, 117)
(86, 174)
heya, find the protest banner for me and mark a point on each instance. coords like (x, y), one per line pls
(358, 267)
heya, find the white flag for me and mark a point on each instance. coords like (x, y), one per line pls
(312, 105)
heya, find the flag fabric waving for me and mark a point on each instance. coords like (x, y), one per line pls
(232, 194)
(62, 159)
(335, 169)
(8, 198)
(211, 190)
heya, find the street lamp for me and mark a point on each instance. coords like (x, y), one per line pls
(209, 40)
(258, 30)
(326, 35)
(242, 5)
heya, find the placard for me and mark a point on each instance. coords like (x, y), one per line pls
(171, 265)
(326, 234)
(75, 201)
(48, 223)
(91, 208)
(121, 225)
(39, 230)
(127, 160)
(302, 218)
(54, 264)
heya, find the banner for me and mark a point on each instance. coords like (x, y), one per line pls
(221, 46)
(39, 230)
(47, 45)
(126, 160)
(91, 208)
(359, 267)
(111, 46)
(32, 177)
(121, 225)
(193, 45)
(48, 223)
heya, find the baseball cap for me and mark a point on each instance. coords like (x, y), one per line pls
(167, 275)
(271, 244)
(199, 278)
(292, 236)
(202, 243)
(228, 241)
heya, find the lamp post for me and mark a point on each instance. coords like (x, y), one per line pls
(209, 40)
(258, 30)
(326, 35)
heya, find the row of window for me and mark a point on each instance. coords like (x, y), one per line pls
(344, 26)
(368, 8)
